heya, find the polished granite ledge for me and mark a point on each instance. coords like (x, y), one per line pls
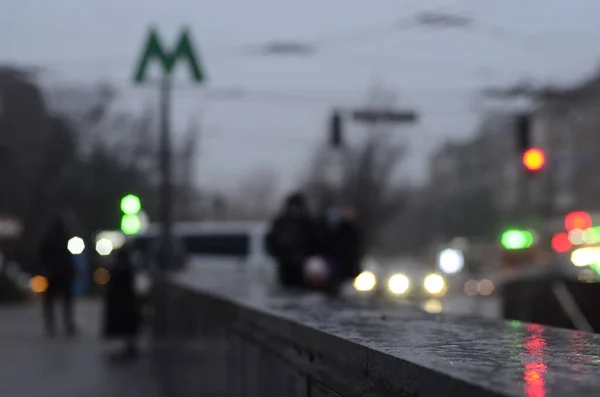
(399, 350)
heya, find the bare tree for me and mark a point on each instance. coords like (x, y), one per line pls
(369, 175)
(254, 197)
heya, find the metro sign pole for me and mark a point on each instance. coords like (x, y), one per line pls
(155, 51)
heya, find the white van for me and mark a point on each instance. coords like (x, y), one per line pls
(222, 242)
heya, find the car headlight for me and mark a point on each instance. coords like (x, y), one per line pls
(435, 284)
(398, 284)
(365, 281)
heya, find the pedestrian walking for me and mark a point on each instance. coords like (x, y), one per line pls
(59, 269)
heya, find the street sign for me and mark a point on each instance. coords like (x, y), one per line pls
(10, 227)
(184, 51)
(371, 116)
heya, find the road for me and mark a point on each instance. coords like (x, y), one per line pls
(473, 306)
(33, 365)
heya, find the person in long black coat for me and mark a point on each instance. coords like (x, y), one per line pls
(59, 268)
(122, 312)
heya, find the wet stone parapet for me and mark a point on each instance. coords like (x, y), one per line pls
(233, 337)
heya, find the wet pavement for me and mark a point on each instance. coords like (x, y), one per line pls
(409, 349)
(33, 365)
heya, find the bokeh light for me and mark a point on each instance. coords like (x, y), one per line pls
(76, 245)
(577, 236)
(451, 261)
(131, 204)
(586, 256)
(398, 284)
(485, 287)
(578, 220)
(434, 284)
(365, 281)
(104, 246)
(433, 306)
(101, 276)
(39, 284)
(534, 159)
(471, 287)
(561, 243)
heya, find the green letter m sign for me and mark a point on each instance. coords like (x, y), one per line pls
(183, 51)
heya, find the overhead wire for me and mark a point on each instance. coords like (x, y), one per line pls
(350, 35)
(346, 36)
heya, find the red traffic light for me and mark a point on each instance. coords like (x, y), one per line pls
(561, 243)
(534, 159)
(578, 220)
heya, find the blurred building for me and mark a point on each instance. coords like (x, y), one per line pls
(567, 129)
(25, 128)
(564, 125)
(488, 163)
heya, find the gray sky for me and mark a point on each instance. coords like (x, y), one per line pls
(433, 70)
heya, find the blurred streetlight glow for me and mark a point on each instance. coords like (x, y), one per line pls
(101, 276)
(485, 287)
(451, 261)
(471, 287)
(104, 247)
(39, 284)
(76, 245)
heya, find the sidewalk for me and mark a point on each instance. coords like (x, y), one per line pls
(33, 365)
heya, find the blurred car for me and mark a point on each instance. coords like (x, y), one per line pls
(400, 278)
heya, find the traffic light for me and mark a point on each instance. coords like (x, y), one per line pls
(515, 239)
(534, 159)
(523, 127)
(578, 220)
(336, 131)
(130, 221)
(561, 243)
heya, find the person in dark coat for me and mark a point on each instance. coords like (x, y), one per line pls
(341, 245)
(59, 268)
(122, 313)
(291, 240)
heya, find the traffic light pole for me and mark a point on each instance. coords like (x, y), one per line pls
(370, 117)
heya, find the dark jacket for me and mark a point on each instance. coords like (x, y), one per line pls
(292, 238)
(121, 309)
(341, 245)
(57, 262)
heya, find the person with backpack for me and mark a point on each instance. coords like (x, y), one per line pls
(291, 240)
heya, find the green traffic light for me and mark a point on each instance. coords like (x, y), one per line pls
(592, 235)
(131, 224)
(516, 239)
(131, 204)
